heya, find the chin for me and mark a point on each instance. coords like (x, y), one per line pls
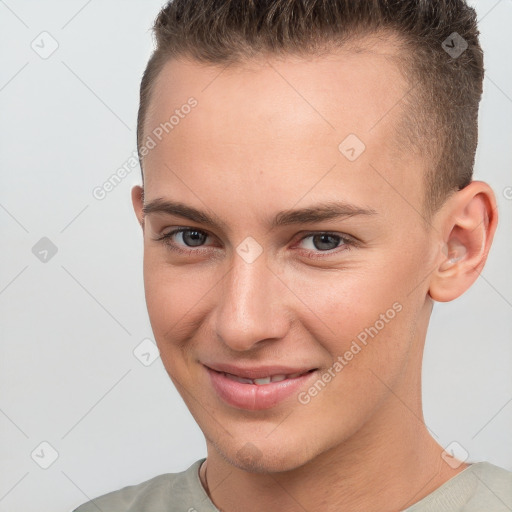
(262, 456)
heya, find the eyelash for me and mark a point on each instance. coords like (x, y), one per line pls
(347, 242)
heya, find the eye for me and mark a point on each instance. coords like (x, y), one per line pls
(190, 237)
(325, 242)
(316, 243)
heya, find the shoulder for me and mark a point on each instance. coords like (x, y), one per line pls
(174, 491)
(493, 489)
(481, 486)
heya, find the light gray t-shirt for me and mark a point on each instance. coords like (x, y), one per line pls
(481, 487)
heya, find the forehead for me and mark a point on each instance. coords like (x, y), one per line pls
(273, 126)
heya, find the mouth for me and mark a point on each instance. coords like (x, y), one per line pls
(265, 380)
(258, 388)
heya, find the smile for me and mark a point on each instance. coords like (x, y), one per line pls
(265, 380)
(265, 390)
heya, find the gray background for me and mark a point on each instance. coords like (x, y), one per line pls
(70, 324)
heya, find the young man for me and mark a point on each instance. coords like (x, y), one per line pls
(307, 195)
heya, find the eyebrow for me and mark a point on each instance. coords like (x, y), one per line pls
(332, 210)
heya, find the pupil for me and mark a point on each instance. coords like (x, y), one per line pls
(196, 238)
(324, 239)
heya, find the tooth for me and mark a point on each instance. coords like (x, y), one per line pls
(238, 379)
(264, 380)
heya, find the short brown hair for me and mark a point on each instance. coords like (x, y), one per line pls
(441, 108)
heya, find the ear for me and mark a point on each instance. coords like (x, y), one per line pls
(467, 225)
(138, 203)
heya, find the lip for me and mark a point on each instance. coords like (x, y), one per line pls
(256, 372)
(254, 396)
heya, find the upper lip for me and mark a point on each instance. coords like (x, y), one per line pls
(257, 372)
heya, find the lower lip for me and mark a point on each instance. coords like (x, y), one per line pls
(254, 397)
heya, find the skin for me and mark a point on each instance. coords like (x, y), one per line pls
(264, 138)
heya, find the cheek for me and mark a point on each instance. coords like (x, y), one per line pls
(173, 294)
(178, 301)
(344, 304)
(364, 316)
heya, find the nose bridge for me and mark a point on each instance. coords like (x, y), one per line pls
(251, 304)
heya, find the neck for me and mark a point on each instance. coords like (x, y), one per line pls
(346, 478)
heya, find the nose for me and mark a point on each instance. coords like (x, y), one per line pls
(251, 306)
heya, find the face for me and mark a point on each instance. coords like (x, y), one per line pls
(251, 288)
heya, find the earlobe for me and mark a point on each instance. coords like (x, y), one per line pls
(138, 203)
(467, 226)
